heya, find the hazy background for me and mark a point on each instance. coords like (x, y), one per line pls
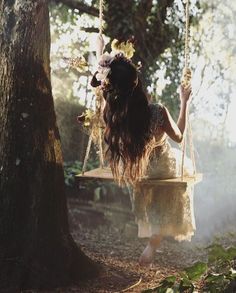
(213, 61)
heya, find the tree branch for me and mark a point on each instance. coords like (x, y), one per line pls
(90, 29)
(82, 7)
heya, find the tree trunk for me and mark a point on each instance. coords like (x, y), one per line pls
(36, 248)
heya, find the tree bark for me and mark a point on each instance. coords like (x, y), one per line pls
(36, 248)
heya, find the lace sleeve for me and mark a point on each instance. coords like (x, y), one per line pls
(157, 119)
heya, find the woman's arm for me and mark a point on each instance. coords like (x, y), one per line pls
(173, 130)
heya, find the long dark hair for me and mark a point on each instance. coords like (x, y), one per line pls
(127, 118)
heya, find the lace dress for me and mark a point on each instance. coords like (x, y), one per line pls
(165, 210)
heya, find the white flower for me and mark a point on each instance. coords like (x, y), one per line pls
(104, 66)
(106, 59)
(102, 73)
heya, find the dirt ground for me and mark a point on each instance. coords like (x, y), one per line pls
(109, 235)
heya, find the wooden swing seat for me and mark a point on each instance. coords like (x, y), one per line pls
(106, 174)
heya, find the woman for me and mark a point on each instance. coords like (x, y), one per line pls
(136, 135)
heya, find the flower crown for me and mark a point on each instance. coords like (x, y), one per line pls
(123, 49)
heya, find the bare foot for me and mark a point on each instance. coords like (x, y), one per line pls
(147, 256)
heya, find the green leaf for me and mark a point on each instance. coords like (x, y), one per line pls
(214, 279)
(186, 284)
(217, 252)
(165, 286)
(231, 252)
(168, 281)
(216, 283)
(196, 271)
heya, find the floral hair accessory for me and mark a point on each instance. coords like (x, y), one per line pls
(119, 49)
(126, 48)
(104, 66)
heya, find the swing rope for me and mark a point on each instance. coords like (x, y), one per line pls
(101, 6)
(186, 46)
(98, 111)
(101, 21)
(87, 152)
(186, 82)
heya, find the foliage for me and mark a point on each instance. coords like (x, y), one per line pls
(61, 13)
(218, 275)
(215, 63)
(68, 44)
(75, 168)
(95, 190)
(222, 274)
(73, 139)
(157, 27)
